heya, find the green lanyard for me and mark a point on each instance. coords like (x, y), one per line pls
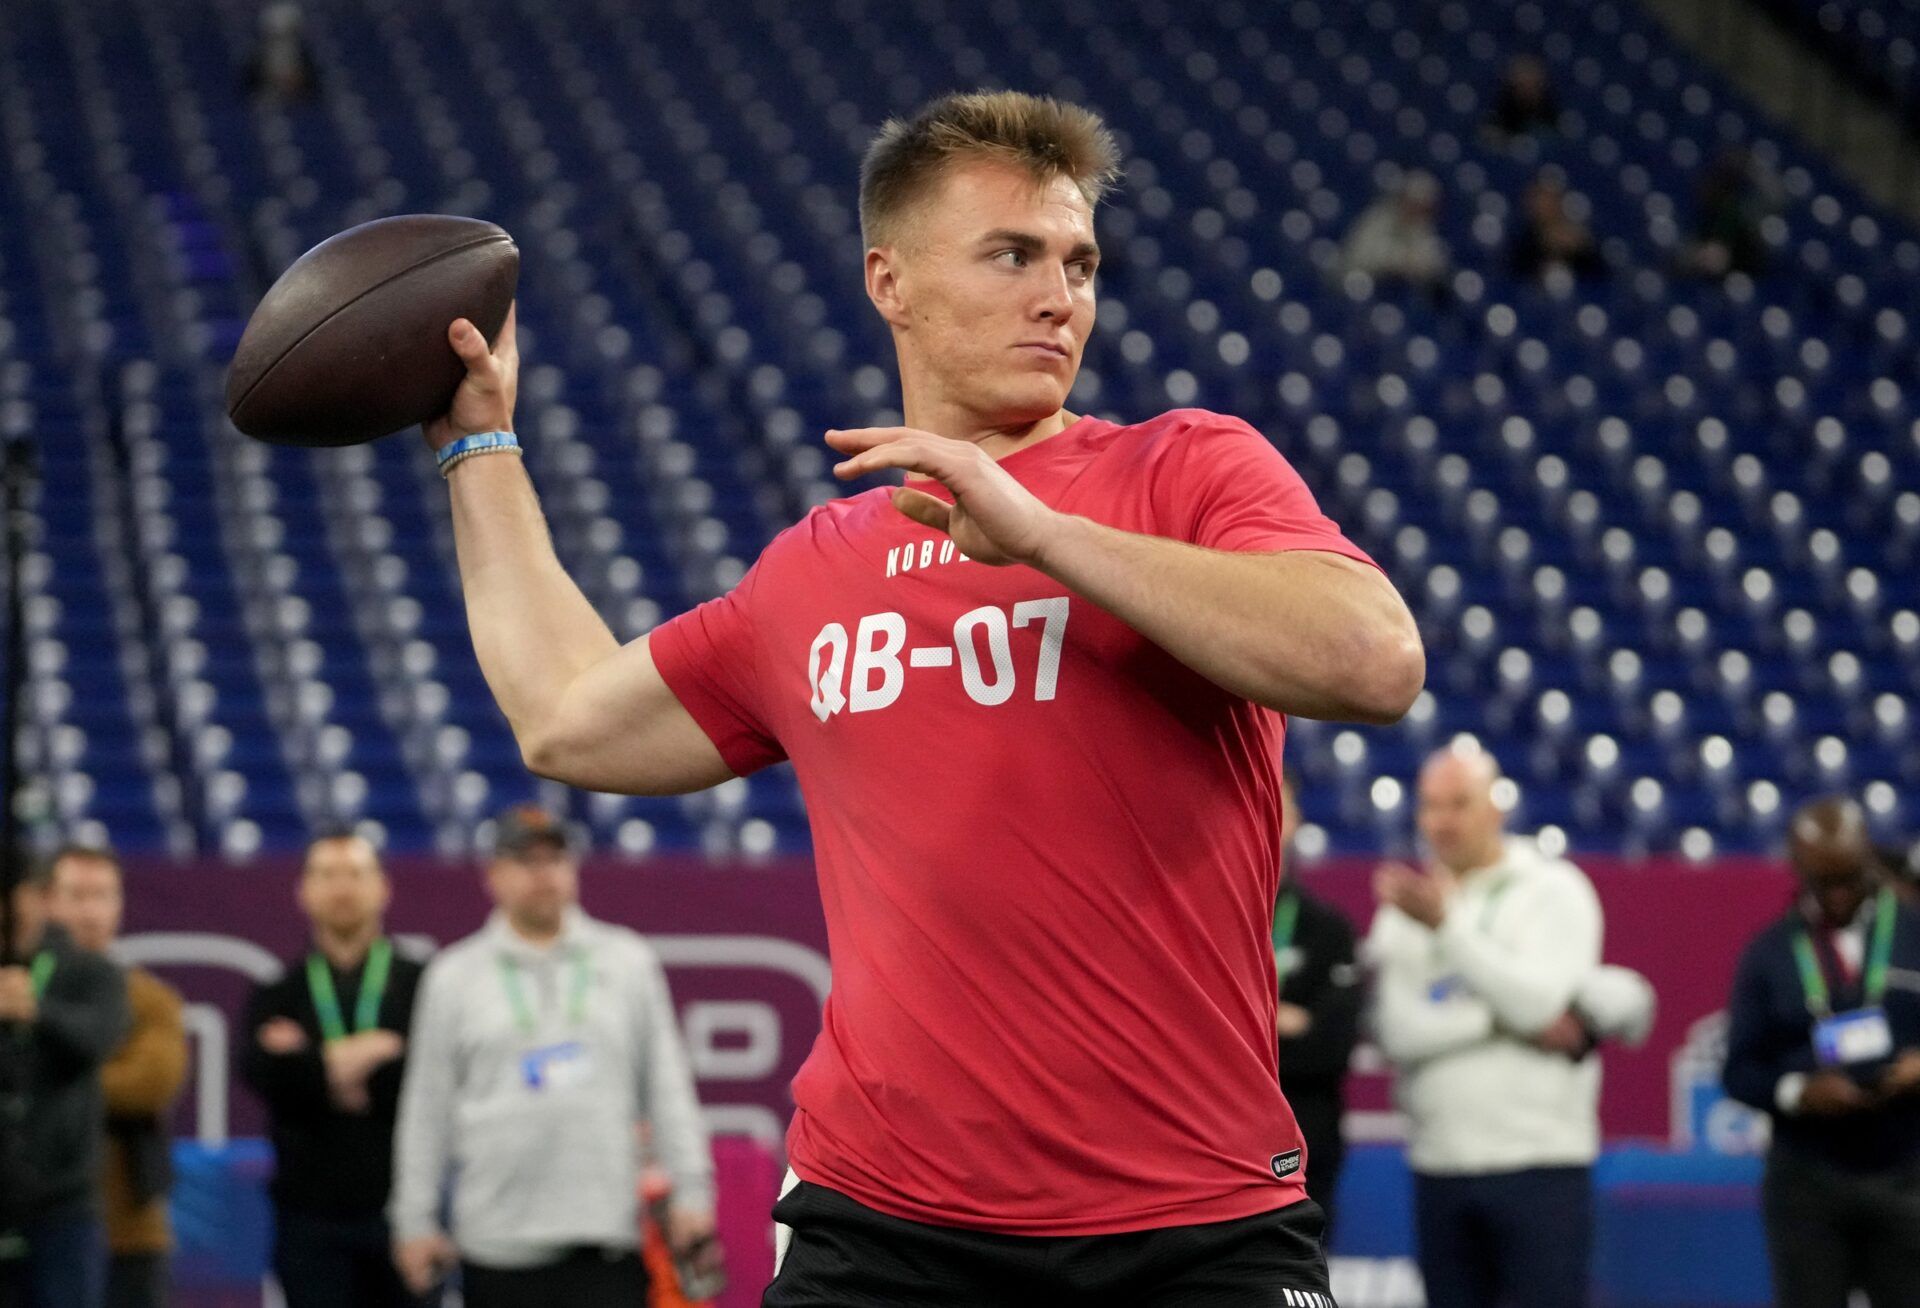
(42, 972)
(39, 972)
(1814, 983)
(1286, 915)
(576, 992)
(373, 987)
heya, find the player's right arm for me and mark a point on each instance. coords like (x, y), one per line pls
(584, 708)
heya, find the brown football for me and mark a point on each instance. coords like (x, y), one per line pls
(351, 343)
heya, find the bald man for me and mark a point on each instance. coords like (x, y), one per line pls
(1479, 963)
(1825, 1038)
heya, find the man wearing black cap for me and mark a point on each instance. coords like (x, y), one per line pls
(1824, 1036)
(542, 1043)
(324, 1047)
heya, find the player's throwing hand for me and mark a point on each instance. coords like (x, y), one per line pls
(993, 518)
(485, 399)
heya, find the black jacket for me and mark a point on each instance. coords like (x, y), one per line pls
(1770, 1034)
(50, 1166)
(328, 1162)
(1317, 972)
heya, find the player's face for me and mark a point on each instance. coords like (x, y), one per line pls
(996, 284)
(86, 900)
(342, 888)
(536, 887)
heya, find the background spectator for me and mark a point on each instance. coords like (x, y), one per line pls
(1821, 1042)
(543, 1041)
(1478, 963)
(282, 67)
(62, 1013)
(324, 1049)
(1526, 103)
(1549, 236)
(140, 1082)
(1395, 240)
(1318, 1017)
(1735, 195)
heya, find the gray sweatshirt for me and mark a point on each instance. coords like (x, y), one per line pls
(528, 1072)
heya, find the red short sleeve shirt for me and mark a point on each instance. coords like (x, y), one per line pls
(1048, 852)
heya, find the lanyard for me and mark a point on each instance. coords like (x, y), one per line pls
(1286, 915)
(42, 972)
(373, 986)
(517, 998)
(1813, 982)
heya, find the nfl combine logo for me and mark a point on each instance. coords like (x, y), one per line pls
(1285, 1165)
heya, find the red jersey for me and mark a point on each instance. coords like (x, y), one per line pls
(1048, 852)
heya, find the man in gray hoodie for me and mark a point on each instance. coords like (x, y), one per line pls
(540, 1044)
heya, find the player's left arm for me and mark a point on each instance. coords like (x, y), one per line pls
(1303, 632)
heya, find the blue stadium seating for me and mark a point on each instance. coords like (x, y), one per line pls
(1659, 532)
(1871, 43)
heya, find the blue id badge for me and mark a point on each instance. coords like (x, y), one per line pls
(1859, 1036)
(555, 1067)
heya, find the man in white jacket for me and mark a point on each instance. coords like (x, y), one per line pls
(1480, 964)
(540, 1044)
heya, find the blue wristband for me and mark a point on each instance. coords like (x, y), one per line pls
(475, 444)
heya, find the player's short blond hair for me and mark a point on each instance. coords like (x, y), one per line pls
(1043, 136)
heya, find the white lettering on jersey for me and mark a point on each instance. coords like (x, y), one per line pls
(879, 672)
(994, 622)
(1053, 633)
(825, 682)
(877, 649)
(915, 555)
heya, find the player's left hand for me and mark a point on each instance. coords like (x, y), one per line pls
(993, 518)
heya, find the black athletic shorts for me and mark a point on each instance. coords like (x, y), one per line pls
(845, 1255)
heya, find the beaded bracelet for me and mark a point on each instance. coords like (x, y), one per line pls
(486, 442)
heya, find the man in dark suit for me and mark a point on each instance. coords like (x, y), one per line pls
(1318, 1019)
(1825, 1037)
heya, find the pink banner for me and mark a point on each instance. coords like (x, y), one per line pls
(746, 952)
